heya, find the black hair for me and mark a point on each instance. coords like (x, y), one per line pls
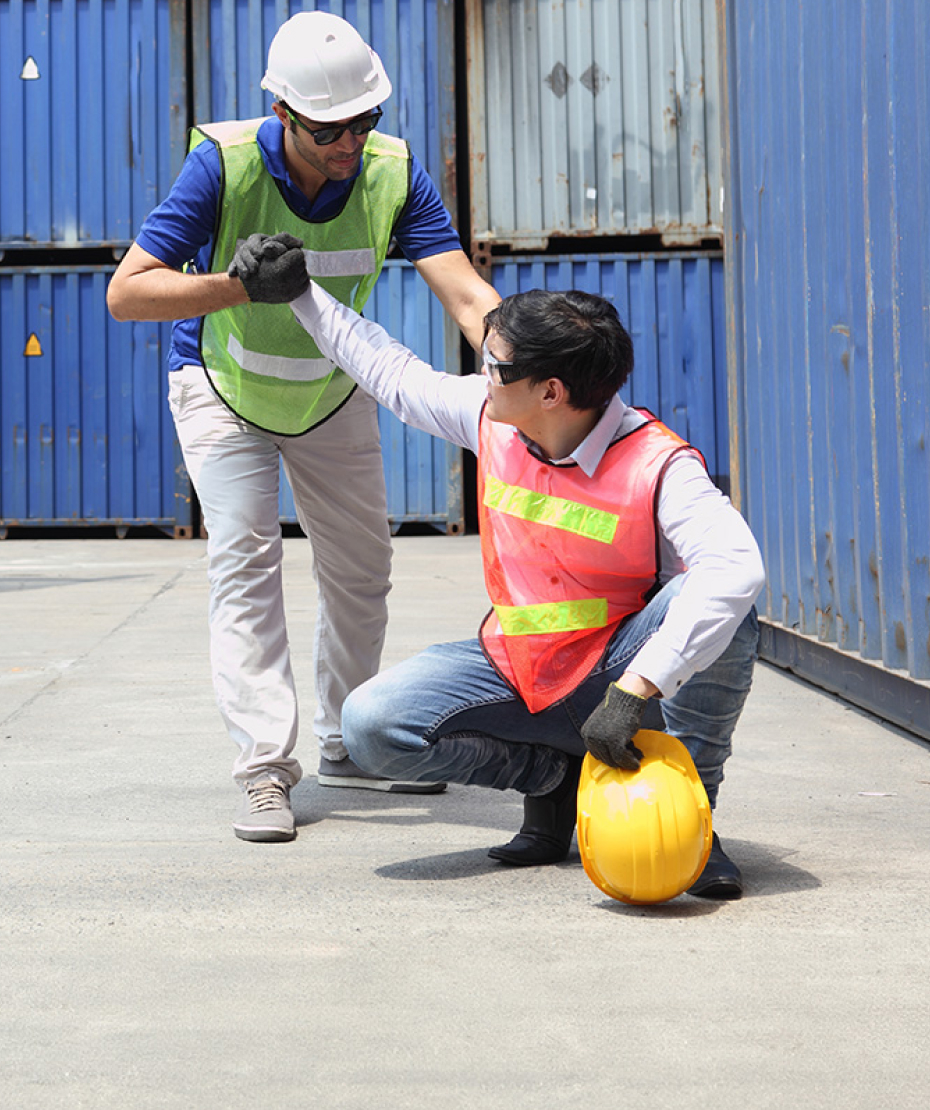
(573, 336)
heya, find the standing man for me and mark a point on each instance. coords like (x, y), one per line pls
(248, 387)
(617, 572)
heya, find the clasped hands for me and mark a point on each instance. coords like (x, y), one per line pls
(271, 267)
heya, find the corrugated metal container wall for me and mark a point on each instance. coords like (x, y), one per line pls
(91, 133)
(592, 117)
(674, 308)
(92, 123)
(829, 291)
(423, 474)
(85, 434)
(415, 40)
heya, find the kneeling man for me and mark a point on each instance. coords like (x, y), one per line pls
(619, 576)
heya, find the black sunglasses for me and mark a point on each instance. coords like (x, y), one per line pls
(323, 136)
(506, 373)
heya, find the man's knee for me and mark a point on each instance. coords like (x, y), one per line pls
(745, 640)
(359, 721)
(733, 668)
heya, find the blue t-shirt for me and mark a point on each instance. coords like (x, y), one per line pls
(180, 229)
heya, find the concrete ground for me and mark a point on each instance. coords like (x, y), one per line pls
(149, 959)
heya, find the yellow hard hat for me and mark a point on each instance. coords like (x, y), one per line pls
(645, 835)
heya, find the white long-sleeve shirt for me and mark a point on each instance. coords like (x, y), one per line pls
(701, 534)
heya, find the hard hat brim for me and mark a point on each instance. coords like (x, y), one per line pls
(347, 109)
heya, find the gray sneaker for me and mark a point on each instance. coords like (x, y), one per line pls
(343, 772)
(265, 811)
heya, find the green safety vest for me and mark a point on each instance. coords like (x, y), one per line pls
(260, 360)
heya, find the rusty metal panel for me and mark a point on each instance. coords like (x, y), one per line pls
(93, 118)
(593, 118)
(86, 437)
(828, 241)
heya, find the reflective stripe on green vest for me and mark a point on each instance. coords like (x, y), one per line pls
(259, 358)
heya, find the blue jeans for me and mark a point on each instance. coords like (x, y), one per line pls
(446, 715)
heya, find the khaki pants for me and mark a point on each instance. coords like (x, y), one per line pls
(337, 479)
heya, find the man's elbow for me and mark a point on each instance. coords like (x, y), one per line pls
(755, 577)
(117, 302)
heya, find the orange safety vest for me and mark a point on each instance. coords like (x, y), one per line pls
(566, 557)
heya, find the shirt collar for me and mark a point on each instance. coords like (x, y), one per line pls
(271, 141)
(617, 419)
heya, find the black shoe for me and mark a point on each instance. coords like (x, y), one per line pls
(720, 879)
(548, 824)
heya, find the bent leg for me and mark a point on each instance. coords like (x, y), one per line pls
(234, 469)
(337, 477)
(446, 716)
(705, 711)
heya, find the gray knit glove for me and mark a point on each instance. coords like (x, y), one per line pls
(608, 733)
(271, 267)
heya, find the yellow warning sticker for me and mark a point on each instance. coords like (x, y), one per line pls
(33, 346)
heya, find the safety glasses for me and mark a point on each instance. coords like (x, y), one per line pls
(501, 372)
(324, 136)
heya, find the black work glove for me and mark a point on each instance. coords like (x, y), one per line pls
(608, 733)
(271, 267)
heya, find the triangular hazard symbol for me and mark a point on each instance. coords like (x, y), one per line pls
(33, 346)
(30, 70)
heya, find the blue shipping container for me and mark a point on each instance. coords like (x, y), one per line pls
(86, 436)
(673, 306)
(93, 120)
(828, 246)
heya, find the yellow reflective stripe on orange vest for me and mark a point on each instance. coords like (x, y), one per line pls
(554, 512)
(555, 616)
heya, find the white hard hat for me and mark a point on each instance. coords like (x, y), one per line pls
(321, 67)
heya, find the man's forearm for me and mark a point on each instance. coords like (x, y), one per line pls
(463, 294)
(635, 684)
(171, 295)
(444, 405)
